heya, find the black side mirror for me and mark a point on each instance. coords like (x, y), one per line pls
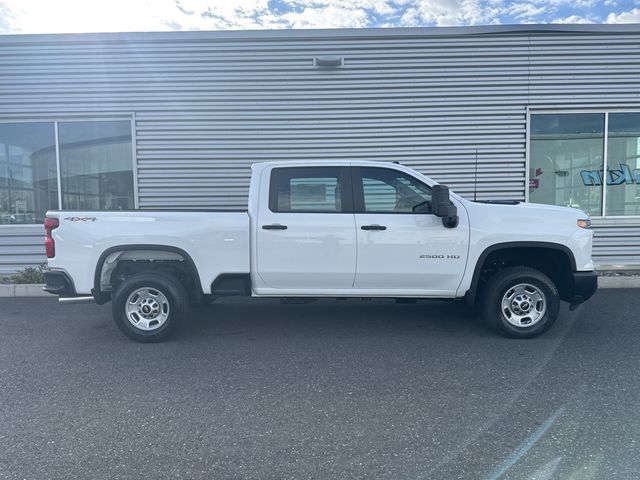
(442, 206)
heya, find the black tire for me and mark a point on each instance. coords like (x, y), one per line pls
(170, 308)
(509, 281)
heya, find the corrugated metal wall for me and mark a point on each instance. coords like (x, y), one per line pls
(207, 105)
(20, 246)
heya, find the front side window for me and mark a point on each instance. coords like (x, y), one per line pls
(28, 179)
(306, 190)
(390, 191)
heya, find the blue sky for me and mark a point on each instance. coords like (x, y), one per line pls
(56, 16)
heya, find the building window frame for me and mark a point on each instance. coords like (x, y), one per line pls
(605, 153)
(122, 117)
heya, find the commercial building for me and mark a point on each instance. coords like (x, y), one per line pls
(544, 113)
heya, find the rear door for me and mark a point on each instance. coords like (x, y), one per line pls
(399, 250)
(306, 238)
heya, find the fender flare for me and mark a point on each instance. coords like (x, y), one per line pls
(470, 295)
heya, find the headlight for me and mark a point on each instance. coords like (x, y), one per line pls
(584, 223)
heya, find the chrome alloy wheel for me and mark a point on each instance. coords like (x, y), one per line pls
(147, 309)
(523, 305)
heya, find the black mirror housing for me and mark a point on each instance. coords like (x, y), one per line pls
(442, 206)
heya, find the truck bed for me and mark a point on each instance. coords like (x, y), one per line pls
(217, 242)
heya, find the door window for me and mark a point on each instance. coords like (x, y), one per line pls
(391, 191)
(306, 190)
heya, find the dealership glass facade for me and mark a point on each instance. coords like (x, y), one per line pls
(623, 160)
(94, 159)
(28, 185)
(589, 161)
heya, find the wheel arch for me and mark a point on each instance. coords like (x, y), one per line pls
(506, 247)
(101, 296)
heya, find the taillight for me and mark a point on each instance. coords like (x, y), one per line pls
(49, 245)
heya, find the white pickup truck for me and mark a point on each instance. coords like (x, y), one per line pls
(327, 229)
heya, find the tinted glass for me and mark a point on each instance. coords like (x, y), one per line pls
(28, 185)
(306, 190)
(390, 191)
(623, 162)
(566, 160)
(96, 165)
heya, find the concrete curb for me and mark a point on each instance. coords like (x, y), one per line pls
(619, 282)
(25, 290)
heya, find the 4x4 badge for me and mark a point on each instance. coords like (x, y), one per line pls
(81, 219)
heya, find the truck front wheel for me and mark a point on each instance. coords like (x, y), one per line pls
(521, 302)
(149, 306)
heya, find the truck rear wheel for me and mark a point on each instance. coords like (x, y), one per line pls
(149, 306)
(521, 302)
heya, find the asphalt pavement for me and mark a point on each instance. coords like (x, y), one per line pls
(333, 389)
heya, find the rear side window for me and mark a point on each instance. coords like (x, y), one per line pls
(307, 190)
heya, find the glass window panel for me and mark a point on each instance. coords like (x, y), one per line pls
(4, 173)
(20, 176)
(566, 160)
(28, 184)
(623, 164)
(313, 193)
(390, 191)
(378, 196)
(315, 189)
(5, 215)
(96, 165)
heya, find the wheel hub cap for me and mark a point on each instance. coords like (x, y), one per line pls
(147, 309)
(523, 305)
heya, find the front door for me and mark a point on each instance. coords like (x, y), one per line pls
(398, 249)
(306, 240)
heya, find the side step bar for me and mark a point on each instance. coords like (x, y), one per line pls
(69, 300)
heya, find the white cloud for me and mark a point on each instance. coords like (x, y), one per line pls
(574, 19)
(55, 16)
(36, 16)
(380, 7)
(335, 13)
(526, 10)
(6, 18)
(445, 12)
(49, 16)
(632, 16)
(327, 17)
(206, 14)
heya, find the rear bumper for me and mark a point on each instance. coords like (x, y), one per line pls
(59, 283)
(585, 285)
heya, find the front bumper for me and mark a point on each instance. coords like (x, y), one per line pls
(585, 285)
